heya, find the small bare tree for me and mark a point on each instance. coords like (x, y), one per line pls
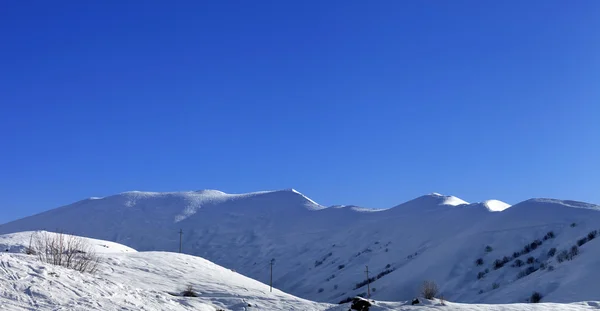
(429, 289)
(65, 250)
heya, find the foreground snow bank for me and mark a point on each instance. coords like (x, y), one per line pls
(152, 281)
(129, 280)
(136, 281)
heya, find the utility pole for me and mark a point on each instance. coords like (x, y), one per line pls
(368, 283)
(180, 235)
(271, 282)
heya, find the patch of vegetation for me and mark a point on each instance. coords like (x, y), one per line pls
(518, 263)
(479, 262)
(535, 297)
(552, 252)
(498, 264)
(189, 292)
(429, 290)
(574, 251)
(592, 235)
(495, 286)
(549, 235)
(320, 262)
(364, 282)
(526, 272)
(488, 249)
(340, 267)
(384, 272)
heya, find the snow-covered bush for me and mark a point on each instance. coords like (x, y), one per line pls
(552, 252)
(64, 250)
(429, 289)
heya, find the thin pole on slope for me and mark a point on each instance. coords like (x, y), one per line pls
(180, 236)
(368, 283)
(271, 281)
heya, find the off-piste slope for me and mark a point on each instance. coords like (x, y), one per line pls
(321, 253)
(128, 280)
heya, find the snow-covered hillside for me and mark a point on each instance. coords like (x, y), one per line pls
(321, 253)
(128, 280)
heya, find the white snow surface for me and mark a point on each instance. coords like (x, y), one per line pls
(129, 280)
(495, 205)
(18, 242)
(433, 237)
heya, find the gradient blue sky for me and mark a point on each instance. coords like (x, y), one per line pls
(350, 102)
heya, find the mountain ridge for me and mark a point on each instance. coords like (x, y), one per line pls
(432, 237)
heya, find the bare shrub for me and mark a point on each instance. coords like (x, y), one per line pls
(518, 263)
(480, 275)
(64, 250)
(429, 289)
(562, 256)
(592, 235)
(535, 297)
(574, 252)
(189, 292)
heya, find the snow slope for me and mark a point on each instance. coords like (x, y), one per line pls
(18, 242)
(130, 280)
(321, 253)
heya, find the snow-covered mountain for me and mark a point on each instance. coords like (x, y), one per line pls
(321, 253)
(131, 280)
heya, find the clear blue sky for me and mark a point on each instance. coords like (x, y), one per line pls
(350, 102)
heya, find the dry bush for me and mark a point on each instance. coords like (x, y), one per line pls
(189, 292)
(64, 250)
(429, 289)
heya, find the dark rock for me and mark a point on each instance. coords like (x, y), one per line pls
(360, 304)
